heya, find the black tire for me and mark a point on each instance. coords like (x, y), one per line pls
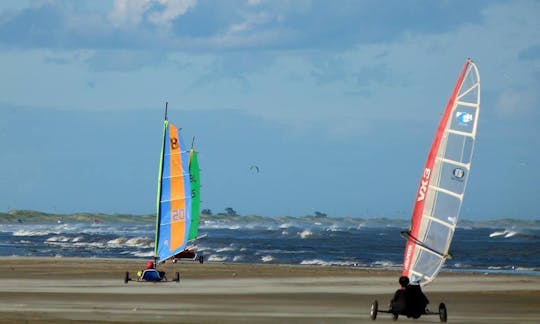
(201, 259)
(126, 277)
(374, 310)
(177, 277)
(443, 315)
(395, 316)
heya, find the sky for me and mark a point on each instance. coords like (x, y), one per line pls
(336, 102)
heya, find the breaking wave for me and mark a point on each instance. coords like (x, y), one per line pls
(305, 233)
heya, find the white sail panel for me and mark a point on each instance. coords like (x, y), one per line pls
(443, 181)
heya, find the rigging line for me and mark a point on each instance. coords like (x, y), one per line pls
(407, 235)
(471, 88)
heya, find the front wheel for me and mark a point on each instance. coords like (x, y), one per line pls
(443, 315)
(126, 277)
(177, 277)
(201, 259)
(374, 310)
(395, 316)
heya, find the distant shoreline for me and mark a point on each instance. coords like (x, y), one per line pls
(31, 216)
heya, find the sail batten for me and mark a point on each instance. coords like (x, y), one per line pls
(454, 162)
(443, 181)
(440, 221)
(456, 132)
(448, 192)
(466, 104)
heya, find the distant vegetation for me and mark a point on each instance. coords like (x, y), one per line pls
(32, 216)
(230, 215)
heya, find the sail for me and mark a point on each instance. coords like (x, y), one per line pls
(195, 194)
(174, 195)
(443, 181)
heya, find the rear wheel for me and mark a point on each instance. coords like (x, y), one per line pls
(201, 259)
(177, 277)
(374, 310)
(443, 315)
(126, 277)
(395, 316)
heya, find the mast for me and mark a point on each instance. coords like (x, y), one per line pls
(160, 176)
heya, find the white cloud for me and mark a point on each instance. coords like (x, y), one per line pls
(173, 9)
(129, 13)
(514, 103)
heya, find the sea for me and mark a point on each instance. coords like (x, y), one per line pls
(507, 246)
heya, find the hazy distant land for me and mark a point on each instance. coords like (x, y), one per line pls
(31, 216)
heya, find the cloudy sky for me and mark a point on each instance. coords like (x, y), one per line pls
(335, 101)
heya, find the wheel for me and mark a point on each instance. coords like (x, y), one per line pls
(201, 259)
(374, 310)
(177, 277)
(395, 316)
(443, 315)
(126, 277)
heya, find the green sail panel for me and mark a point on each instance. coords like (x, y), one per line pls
(195, 194)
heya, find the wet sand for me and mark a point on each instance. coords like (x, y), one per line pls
(66, 290)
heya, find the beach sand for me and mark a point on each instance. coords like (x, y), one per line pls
(66, 290)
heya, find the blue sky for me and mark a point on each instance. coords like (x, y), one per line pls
(335, 101)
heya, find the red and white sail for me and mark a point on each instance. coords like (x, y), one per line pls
(443, 181)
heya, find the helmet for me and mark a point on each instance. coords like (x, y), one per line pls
(149, 264)
(403, 281)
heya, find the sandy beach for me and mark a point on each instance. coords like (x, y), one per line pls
(65, 290)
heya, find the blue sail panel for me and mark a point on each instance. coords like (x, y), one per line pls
(174, 215)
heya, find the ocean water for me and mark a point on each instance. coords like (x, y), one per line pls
(367, 243)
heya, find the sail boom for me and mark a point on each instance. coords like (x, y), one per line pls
(429, 250)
